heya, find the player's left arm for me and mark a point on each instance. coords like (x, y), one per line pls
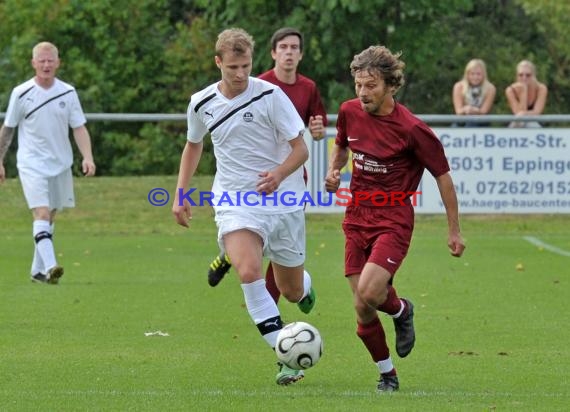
(83, 141)
(317, 127)
(318, 119)
(270, 180)
(449, 197)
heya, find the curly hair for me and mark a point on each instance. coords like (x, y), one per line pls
(380, 60)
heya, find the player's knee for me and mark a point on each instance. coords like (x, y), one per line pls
(247, 275)
(372, 297)
(382, 296)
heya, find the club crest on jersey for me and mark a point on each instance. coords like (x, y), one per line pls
(62, 105)
(248, 117)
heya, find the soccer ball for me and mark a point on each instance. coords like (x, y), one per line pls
(299, 345)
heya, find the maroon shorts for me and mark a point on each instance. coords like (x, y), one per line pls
(378, 235)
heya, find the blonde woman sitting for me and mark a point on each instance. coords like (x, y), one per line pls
(526, 96)
(474, 94)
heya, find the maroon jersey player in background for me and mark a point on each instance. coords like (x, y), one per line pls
(391, 148)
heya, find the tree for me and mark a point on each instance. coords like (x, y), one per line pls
(551, 23)
(122, 57)
(128, 56)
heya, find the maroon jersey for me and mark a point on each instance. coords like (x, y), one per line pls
(389, 153)
(303, 93)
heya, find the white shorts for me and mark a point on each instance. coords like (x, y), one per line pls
(283, 234)
(54, 192)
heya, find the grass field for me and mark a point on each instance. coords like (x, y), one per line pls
(490, 337)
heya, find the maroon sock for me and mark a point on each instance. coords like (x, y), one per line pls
(270, 283)
(393, 304)
(374, 338)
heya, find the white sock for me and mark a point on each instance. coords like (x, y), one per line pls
(37, 262)
(306, 284)
(263, 310)
(44, 246)
(386, 365)
(402, 306)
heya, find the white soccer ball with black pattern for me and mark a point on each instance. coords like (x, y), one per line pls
(299, 345)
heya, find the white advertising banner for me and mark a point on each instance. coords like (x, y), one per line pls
(495, 170)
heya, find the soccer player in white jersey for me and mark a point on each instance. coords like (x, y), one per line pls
(44, 108)
(257, 136)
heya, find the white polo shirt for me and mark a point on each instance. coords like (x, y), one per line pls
(43, 117)
(250, 134)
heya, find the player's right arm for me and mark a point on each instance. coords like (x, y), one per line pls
(188, 164)
(337, 160)
(6, 135)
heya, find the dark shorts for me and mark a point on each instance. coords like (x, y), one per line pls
(378, 235)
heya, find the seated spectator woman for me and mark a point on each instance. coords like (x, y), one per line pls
(526, 96)
(474, 94)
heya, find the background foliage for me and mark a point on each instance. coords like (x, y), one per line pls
(149, 56)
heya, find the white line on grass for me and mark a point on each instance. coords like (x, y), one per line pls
(540, 243)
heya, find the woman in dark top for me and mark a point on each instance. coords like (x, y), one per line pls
(526, 96)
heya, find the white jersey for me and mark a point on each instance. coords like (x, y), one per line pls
(43, 117)
(250, 134)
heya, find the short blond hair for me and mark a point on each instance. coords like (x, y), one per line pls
(45, 46)
(234, 40)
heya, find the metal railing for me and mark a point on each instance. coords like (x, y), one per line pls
(428, 118)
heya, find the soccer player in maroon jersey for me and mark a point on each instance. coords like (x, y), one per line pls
(390, 150)
(287, 51)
